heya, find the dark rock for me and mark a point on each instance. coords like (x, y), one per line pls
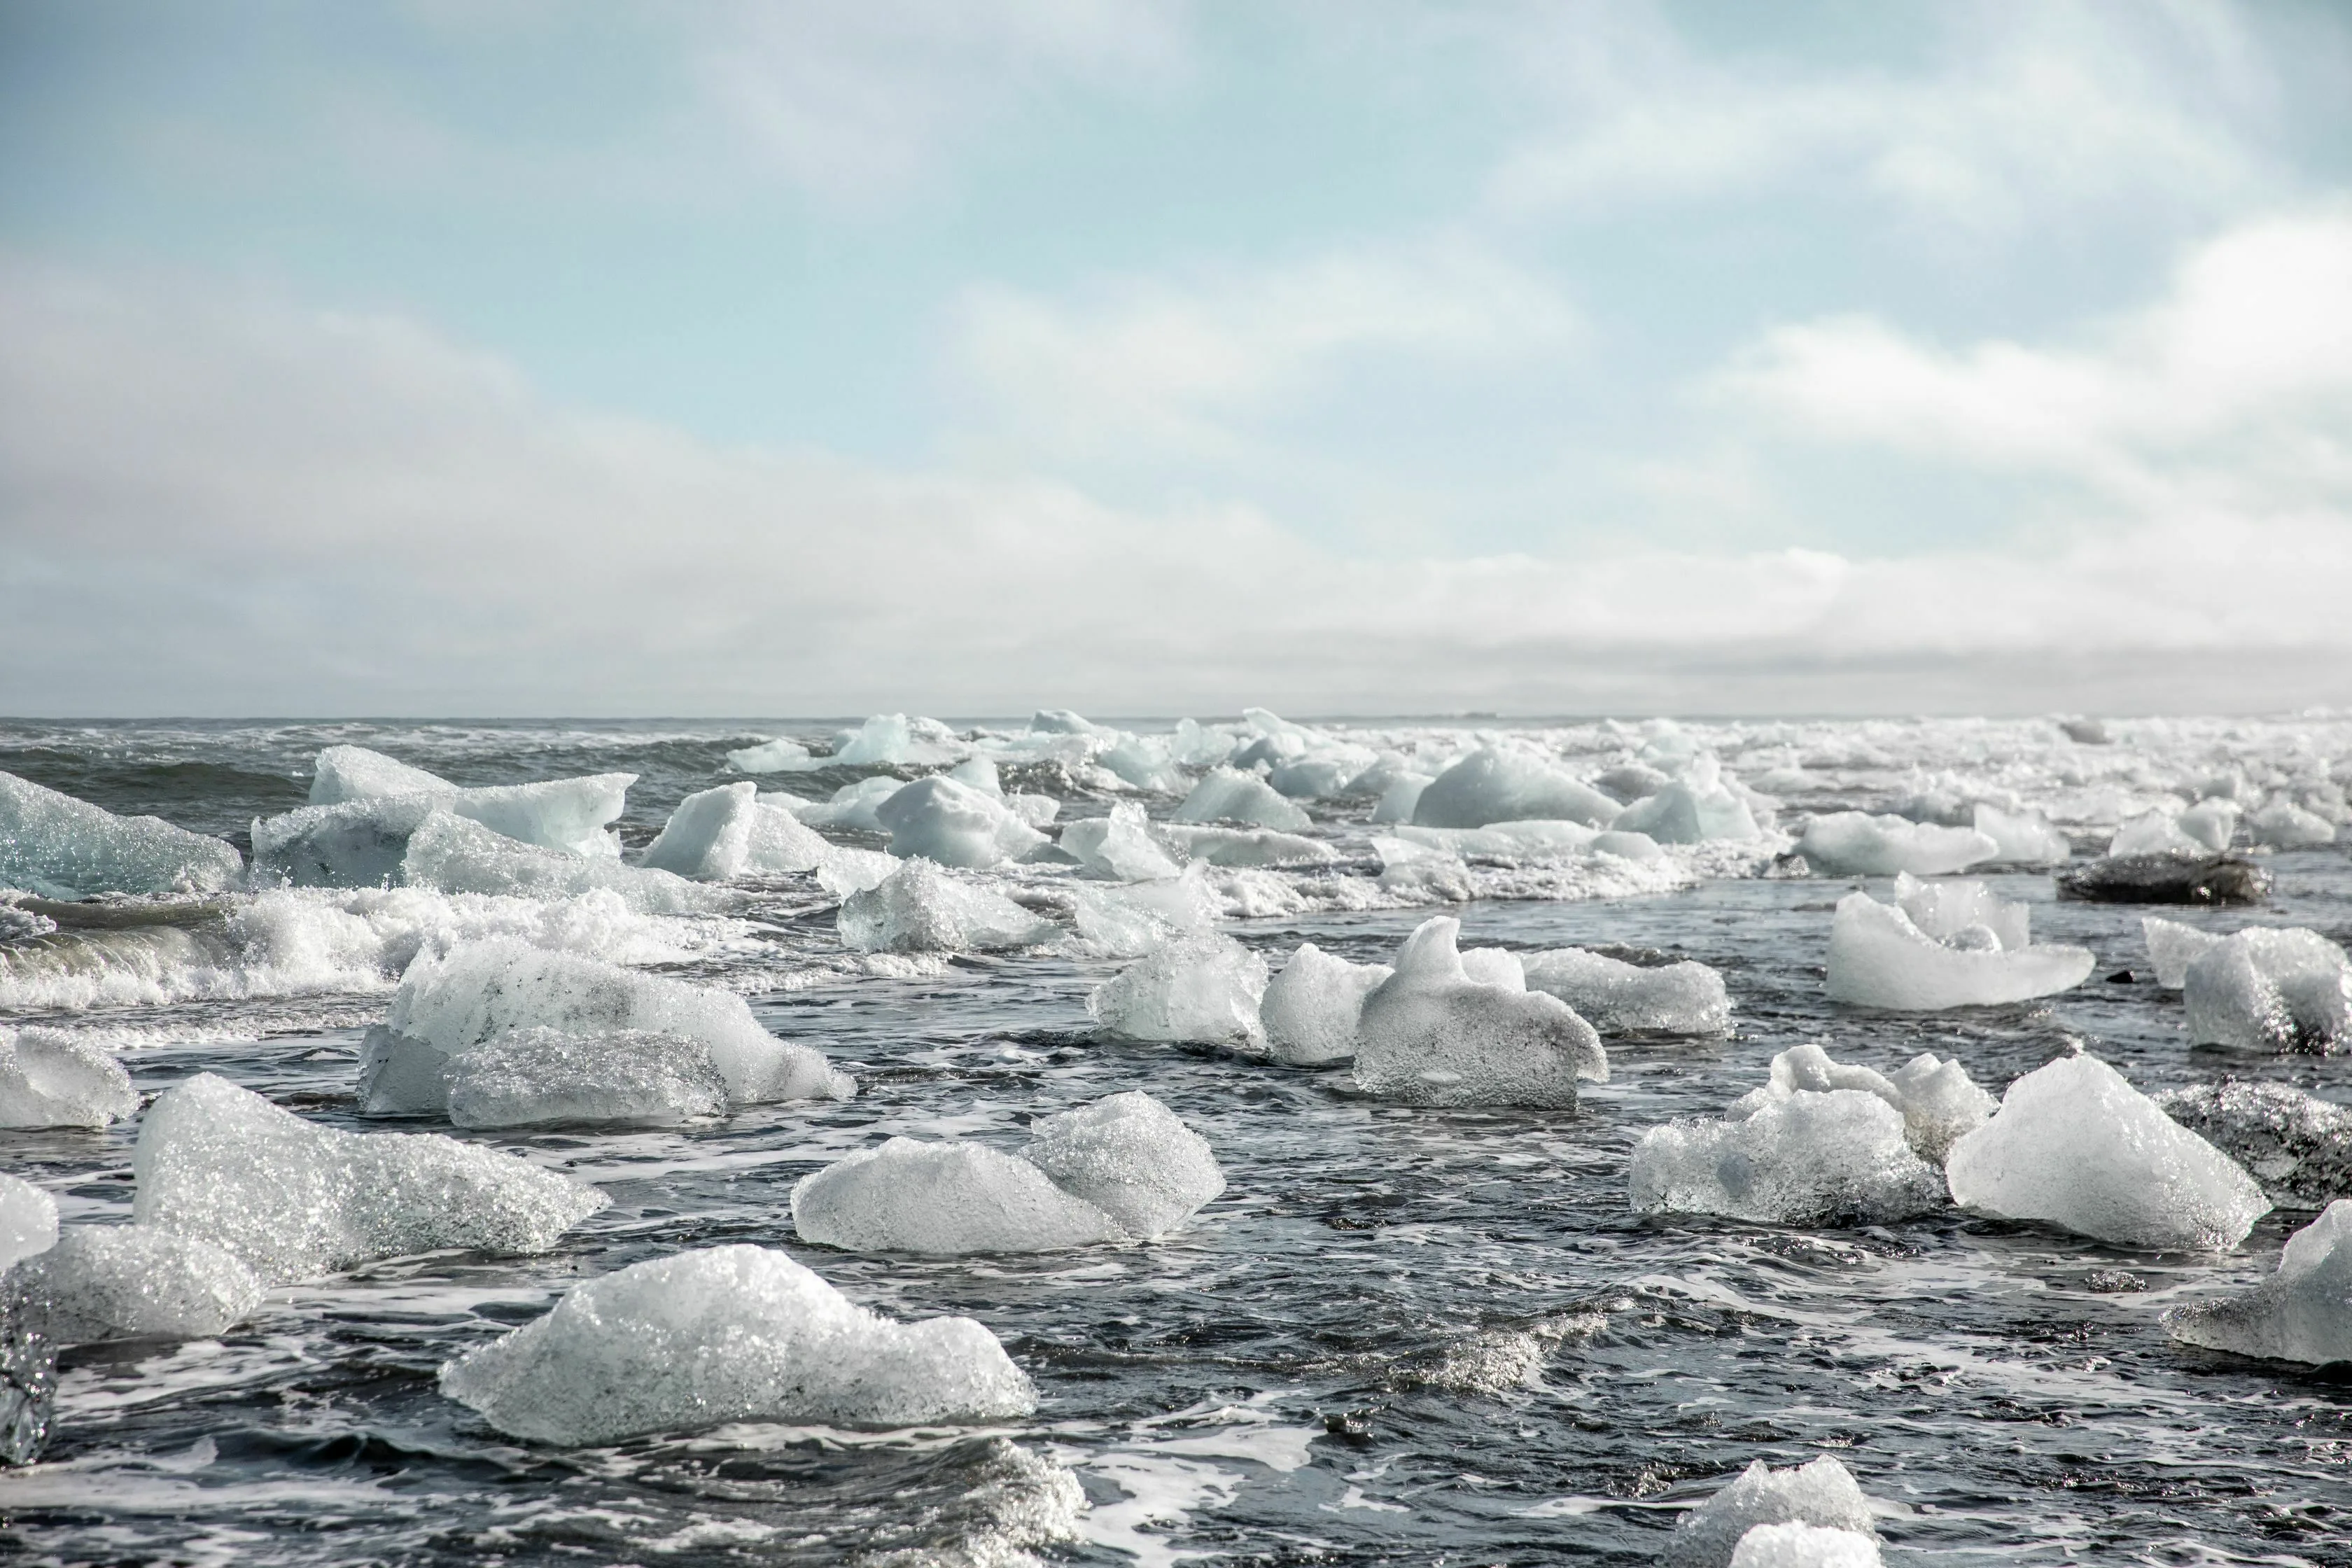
(2167, 879)
(2123, 977)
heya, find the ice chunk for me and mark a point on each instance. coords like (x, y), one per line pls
(2302, 1312)
(893, 740)
(354, 772)
(780, 755)
(2175, 879)
(953, 824)
(1627, 845)
(295, 1200)
(2158, 832)
(1430, 1035)
(1832, 1157)
(569, 814)
(1855, 844)
(60, 848)
(2268, 988)
(345, 844)
(28, 1220)
(1495, 966)
(1492, 784)
(922, 909)
(730, 1334)
(1119, 847)
(2282, 824)
(1698, 806)
(1200, 988)
(1937, 1101)
(529, 1077)
(48, 1078)
(1248, 847)
(942, 1200)
(1796, 1545)
(2172, 947)
(1403, 797)
(1131, 1157)
(1880, 958)
(455, 855)
(481, 990)
(2075, 1145)
(1620, 998)
(845, 871)
(1822, 1494)
(1529, 840)
(2298, 1146)
(852, 806)
(1223, 794)
(1944, 910)
(724, 833)
(132, 1282)
(1311, 1007)
(1142, 761)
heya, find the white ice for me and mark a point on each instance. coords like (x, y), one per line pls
(1431, 1034)
(1881, 957)
(1311, 1007)
(1117, 847)
(1141, 762)
(851, 806)
(1131, 1157)
(1856, 843)
(28, 1220)
(1937, 1101)
(1816, 1157)
(730, 1334)
(1699, 806)
(1202, 989)
(2075, 1145)
(59, 847)
(920, 908)
(943, 819)
(721, 833)
(893, 740)
(2022, 837)
(2302, 1313)
(354, 772)
(455, 855)
(1248, 845)
(2262, 988)
(1797, 1545)
(343, 843)
(531, 1077)
(1225, 796)
(780, 755)
(2284, 825)
(573, 815)
(1821, 1493)
(295, 1200)
(49, 1078)
(1492, 784)
(1620, 998)
(134, 1282)
(2204, 829)
(1533, 839)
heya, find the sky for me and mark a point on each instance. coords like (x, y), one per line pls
(506, 357)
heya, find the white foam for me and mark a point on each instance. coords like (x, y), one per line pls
(2302, 1313)
(28, 1220)
(1856, 843)
(1118, 847)
(1821, 1493)
(1492, 784)
(1225, 794)
(1619, 998)
(920, 908)
(134, 1282)
(1203, 988)
(1311, 1007)
(60, 848)
(1430, 1035)
(1880, 957)
(531, 1077)
(48, 1078)
(949, 822)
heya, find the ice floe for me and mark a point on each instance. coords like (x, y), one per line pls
(1492, 784)
(49, 1078)
(2075, 1145)
(920, 908)
(852, 806)
(1202, 989)
(954, 824)
(2302, 1313)
(1822, 1494)
(2298, 1146)
(1225, 794)
(28, 1220)
(60, 848)
(1937, 1101)
(456, 855)
(1431, 1034)
(1119, 847)
(1943, 945)
(1856, 843)
(1621, 998)
(1131, 1156)
(1312, 1004)
(730, 1334)
(132, 1282)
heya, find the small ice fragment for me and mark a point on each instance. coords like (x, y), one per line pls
(852, 806)
(1855, 844)
(1226, 795)
(455, 855)
(531, 1077)
(1699, 806)
(1131, 1156)
(49, 1078)
(1620, 998)
(1248, 847)
(2157, 832)
(2210, 823)
(730, 1334)
(2302, 1312)
(2172, 947)
(724, 833)
(1879, 956)
(1142, 762)
(941, 819)
(1822, 1494)
(1117, 847)
(2282, 824)
(2299, 1147)
(1798, 1545)
(2267, 988)
(1492, 784)
(943, 1200)
(28, 1220)
(1203, 988)
(780, 755)
(60, 848)
(1937, 1101)
(132, 1282)
(921, 909)
(1430, 1035)
(893, 740)
(1311, 1007)
(2075, 1145)
(1816, 1157)
(2022, 837)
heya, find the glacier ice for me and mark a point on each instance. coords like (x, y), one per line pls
(59, 847)
(1880, 957)
(1855, 844)
(2302, 1313)
(1200, 988)
(28, 1220)
(134, 1282)
(1822, 1494)
(2262, 988)
(2172, 946)
(1311, 1007)
(721, 833)
(2299, 1147)
(294, 1200)
(851, 806)
(2156, 832)
(342, 844)
(2167, 879)
(1835, 1156)
(1492, 784)
(574, 815)
(1119, 847)
(1620, 998)
(920, 908)
(456, 855)
(1430, 1035)
(893, 740)
(49, 1078)
(730, 1334)
(2282, 824)
(1947, 910)
(1225, 794)
(1131, 1157)
(455, 1001)
(1248, 845)
(354, 772)
(1799, 1546)
(1141, 762)
(2075, 1145)
(1534, 839)
(780, 755)
(529, 1077)
(941, 819)
(1699, 806)
(2022, 837)
(1937, 1101)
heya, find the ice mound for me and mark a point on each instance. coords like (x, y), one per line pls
(60, 848)
(1225, 796)
(852, 806)
(1855, 844)
(1141, 762)
(294, 1200)
(1200, 988)
(531, 1077)
(780, 755)
(1796, 1545)
(724, 833)
(2022, 837)
(1131, 1157)
(51, 1080)
(2264, 988)
(354, 772)
(941, 819)
(455, 855)
(893, 740)
(1937, 1101)
(1311, 1009)
(921, 909)
(1249, 847)
(573, 815)
(1822, 1494)
(2282, 824)
(1430, 1035)
(2173, 878)
(132, 1282)
(1818, 1157)
(2302, 1312)
(2297, 1146)
(28, 1220)
(1620, 998)
(459, 999)
(1698, 806)
(1119, 847)
(1881, 957)
(1492, 784)
(2075, 1145)
(730, 1334)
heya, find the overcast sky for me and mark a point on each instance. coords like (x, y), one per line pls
(498, 357)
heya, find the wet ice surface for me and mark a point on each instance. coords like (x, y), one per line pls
(1399, 1334)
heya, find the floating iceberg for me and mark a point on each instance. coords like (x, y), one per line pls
(2022, 837)
(574, 815)
(1822, 1494)
(1119, 847)
(1224, 796)
(2075, 1145)
(1797, 1545)
(1692, 809)
(730, 1334)
(60, 848)
(450, 1005)
(132, 1282)
(1202, 989)
(48, 1078)
(1248, 847)
(2262, 988)
(531, 1077)
(941, 819)
(1817, 1157)
(1492, 784)
(1855, 844)
(780, 755)
(2302, 1312)
(455, 855)
(1943, 945)
(724, 833)
(1311, 1009)
(1620, 998)
(28, 1220)
(294, 1200)
(1430, 1035)
(2297, 1146)
(2282, 824)
(921, 909)
(1937, 1101)
(2170, 878)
